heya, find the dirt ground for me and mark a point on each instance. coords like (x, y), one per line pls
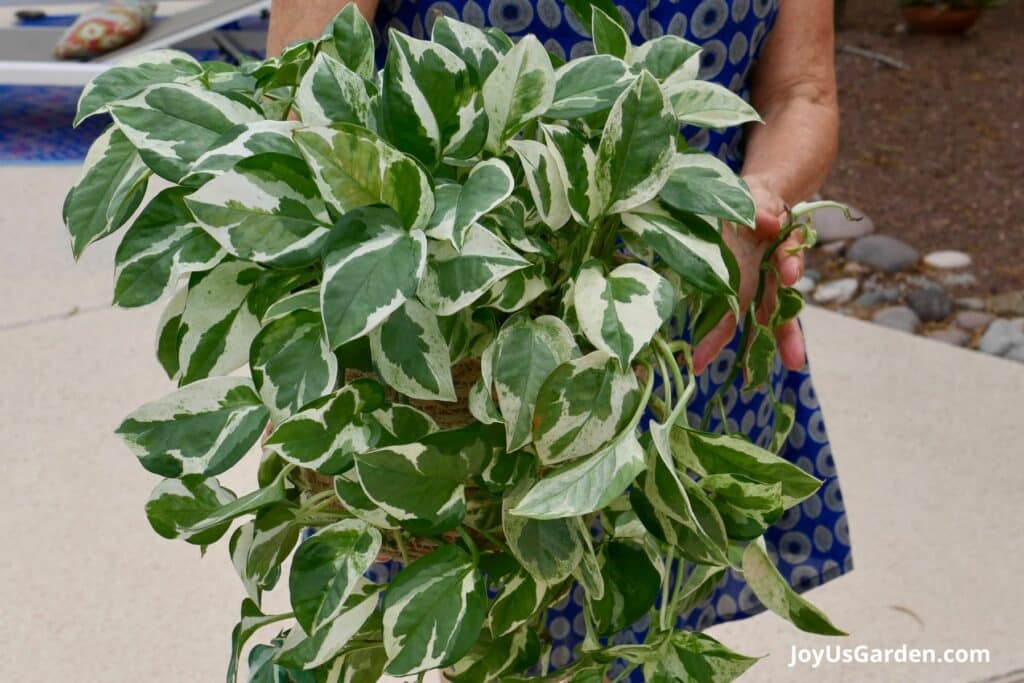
(934, 153)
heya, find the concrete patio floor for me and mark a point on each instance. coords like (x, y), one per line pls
(927, 439)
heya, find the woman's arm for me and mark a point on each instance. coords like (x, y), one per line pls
(787, 159)
(293, 20)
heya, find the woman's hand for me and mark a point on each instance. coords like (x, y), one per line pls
(749, 247)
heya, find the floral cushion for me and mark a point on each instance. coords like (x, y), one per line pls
(105, 28)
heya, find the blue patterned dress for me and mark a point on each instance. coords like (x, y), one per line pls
(811, 543)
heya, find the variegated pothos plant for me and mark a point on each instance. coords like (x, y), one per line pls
(350, 235)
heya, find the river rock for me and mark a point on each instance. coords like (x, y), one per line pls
(930, 304)
(836, 291)
(882, 252)
(1016, 353)
(973, 320)
(1001, 336)
(832, 225)
(971, 303)
(950, 335)
(1007, 303)
(898, 318)
(880, 297)
(959, 280)
(947, 259)
(805, 285)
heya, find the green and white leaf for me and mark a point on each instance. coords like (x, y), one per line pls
(204, 428)
(167, 333)
(775, 593)
(327, 434)
(241, 142)
(588, 85)
(544, 181)
(134, 74)
(411, 355)
(521, 597)
(703, 184)
(668, 58)
(518, 290)
(162, 244)
(305, 652)
(259, 547)
(353, 167)
(489, 184)
(525, 353)
(172, 125)
(521, 88)
(327, 568)
(330, 93)
(455, 279)
(473, 46)
(747, 507)
(369, 272)
(632, 579)
(355, 500)
(217, 325)
(690, 249)
(635, 155)
(305, 300)
(587, 485)
(550, 549)
(252, 619)
(688, 656)
(270, 495)
(609, 35)
(622, 312)
(109, 189)
(266, 210)
(582, 405)
(176, 504)
(710, 105)
(434, 610)
(576, 161)
(352, 40)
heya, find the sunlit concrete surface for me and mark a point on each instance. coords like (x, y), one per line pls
(926, 437)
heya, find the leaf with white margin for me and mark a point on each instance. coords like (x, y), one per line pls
(710, 105)
(633, 580)
(665, 57)
(132, 75)
(330, 92)
(291, 363)
(609, 36)
(259, 547)
(172, 125)
(519, 289)
(252, 619)
(703, 184)
(355, 500)
(204, 428)
(520, 598)
(433, 612)
(622, 312)
(695, 656)
(305, 652)
(352, 40)
(576, 161)
(455, 279)
(550, 549)
(370, 269)
(690, 249)
(271, 494)
(241, 142)
(110, 188)
(489, 184)
(428, 104)
(723, 454)
(411, 355)
(497, 659)
(305, 300)
(775, 593)
(525, 353)
(747, 507)
(441, 225)
(167, 333)
(419, 485)
(353, 167)
(587, 485)
(581, 406)
(162, 244)
(217, 325)
(637, 147)
(266, 210)
(545, 182)
(521, 88)
(325, 435)
(176, 504)
(588, 85)
(327, 568)
(475, 47)
(403, 424)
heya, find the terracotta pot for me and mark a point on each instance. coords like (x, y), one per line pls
(943, 20)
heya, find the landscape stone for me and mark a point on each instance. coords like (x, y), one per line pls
(922, 282)
(930, 304)
(973, 320)
(1001, 336)
(834, 248)
(971, 303)
(1016, 353)
(813, 275)
(1007, 303)
(882, 252)
(950, 335)
(805, 285)
(879, 297)
(947, 259)
(832, 225)
(836, 291)
(898, 318)
(959, 280)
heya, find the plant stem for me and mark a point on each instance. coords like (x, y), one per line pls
(493, 539)
(665, 604)
(625, 673)
(468, 540)
(401, 546)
